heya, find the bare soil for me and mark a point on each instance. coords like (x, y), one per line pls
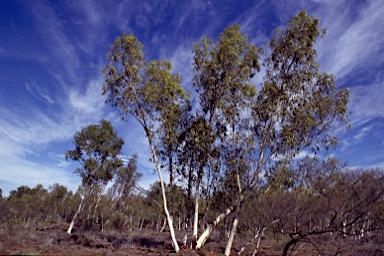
(53, 240)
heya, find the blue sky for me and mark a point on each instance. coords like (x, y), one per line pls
(52, 52)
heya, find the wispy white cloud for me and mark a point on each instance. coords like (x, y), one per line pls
(39, 92)
(52, 33)
(362, 133)
(354, 37)
(366, 103)
(89, 103)
(30, 135)
(181, 60)
(355, 138)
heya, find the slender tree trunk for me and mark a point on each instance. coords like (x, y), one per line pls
(164, 224)
(102, 222)
(196, 217)
(168, 216)
(231, 236)
(79, 209)
(257, 246)
(185, 235)
(258, 234)
(204, 236)
(179, 223)
(236, 219)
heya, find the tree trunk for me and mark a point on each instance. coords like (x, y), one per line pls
(236, 219)
(286, 248)
(168, 216)
(231, 236)
(203, 238)
(79, 209)
(185, 236)
(258, 234)
(102, 222)
(196, 217)
(164, 224)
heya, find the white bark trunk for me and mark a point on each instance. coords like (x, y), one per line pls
(71, 226)
(231, 237)
(196, 218)
(79, 209)
(168, 216)
(203, 238)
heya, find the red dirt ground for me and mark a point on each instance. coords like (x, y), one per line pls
(53, 240)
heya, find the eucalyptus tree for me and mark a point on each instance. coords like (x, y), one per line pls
(97, 149)
(145, 90)
(298, 103)
(222, 73)
(192, 156)
(58, 201)
(293, 111)
(125, 180)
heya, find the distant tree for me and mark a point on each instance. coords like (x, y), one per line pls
(97, 149)
(120, 192)
(27, 204)
(57, 203)
(125, 180)
(145, 90)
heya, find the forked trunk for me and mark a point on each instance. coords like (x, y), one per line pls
(203, 238)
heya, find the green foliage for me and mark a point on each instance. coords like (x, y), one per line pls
(30, 205)
(96, 148)
(223, 70)
(147, 90)
(218, 139)
(298, 103)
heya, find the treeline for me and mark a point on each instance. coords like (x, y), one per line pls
(327, 203)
